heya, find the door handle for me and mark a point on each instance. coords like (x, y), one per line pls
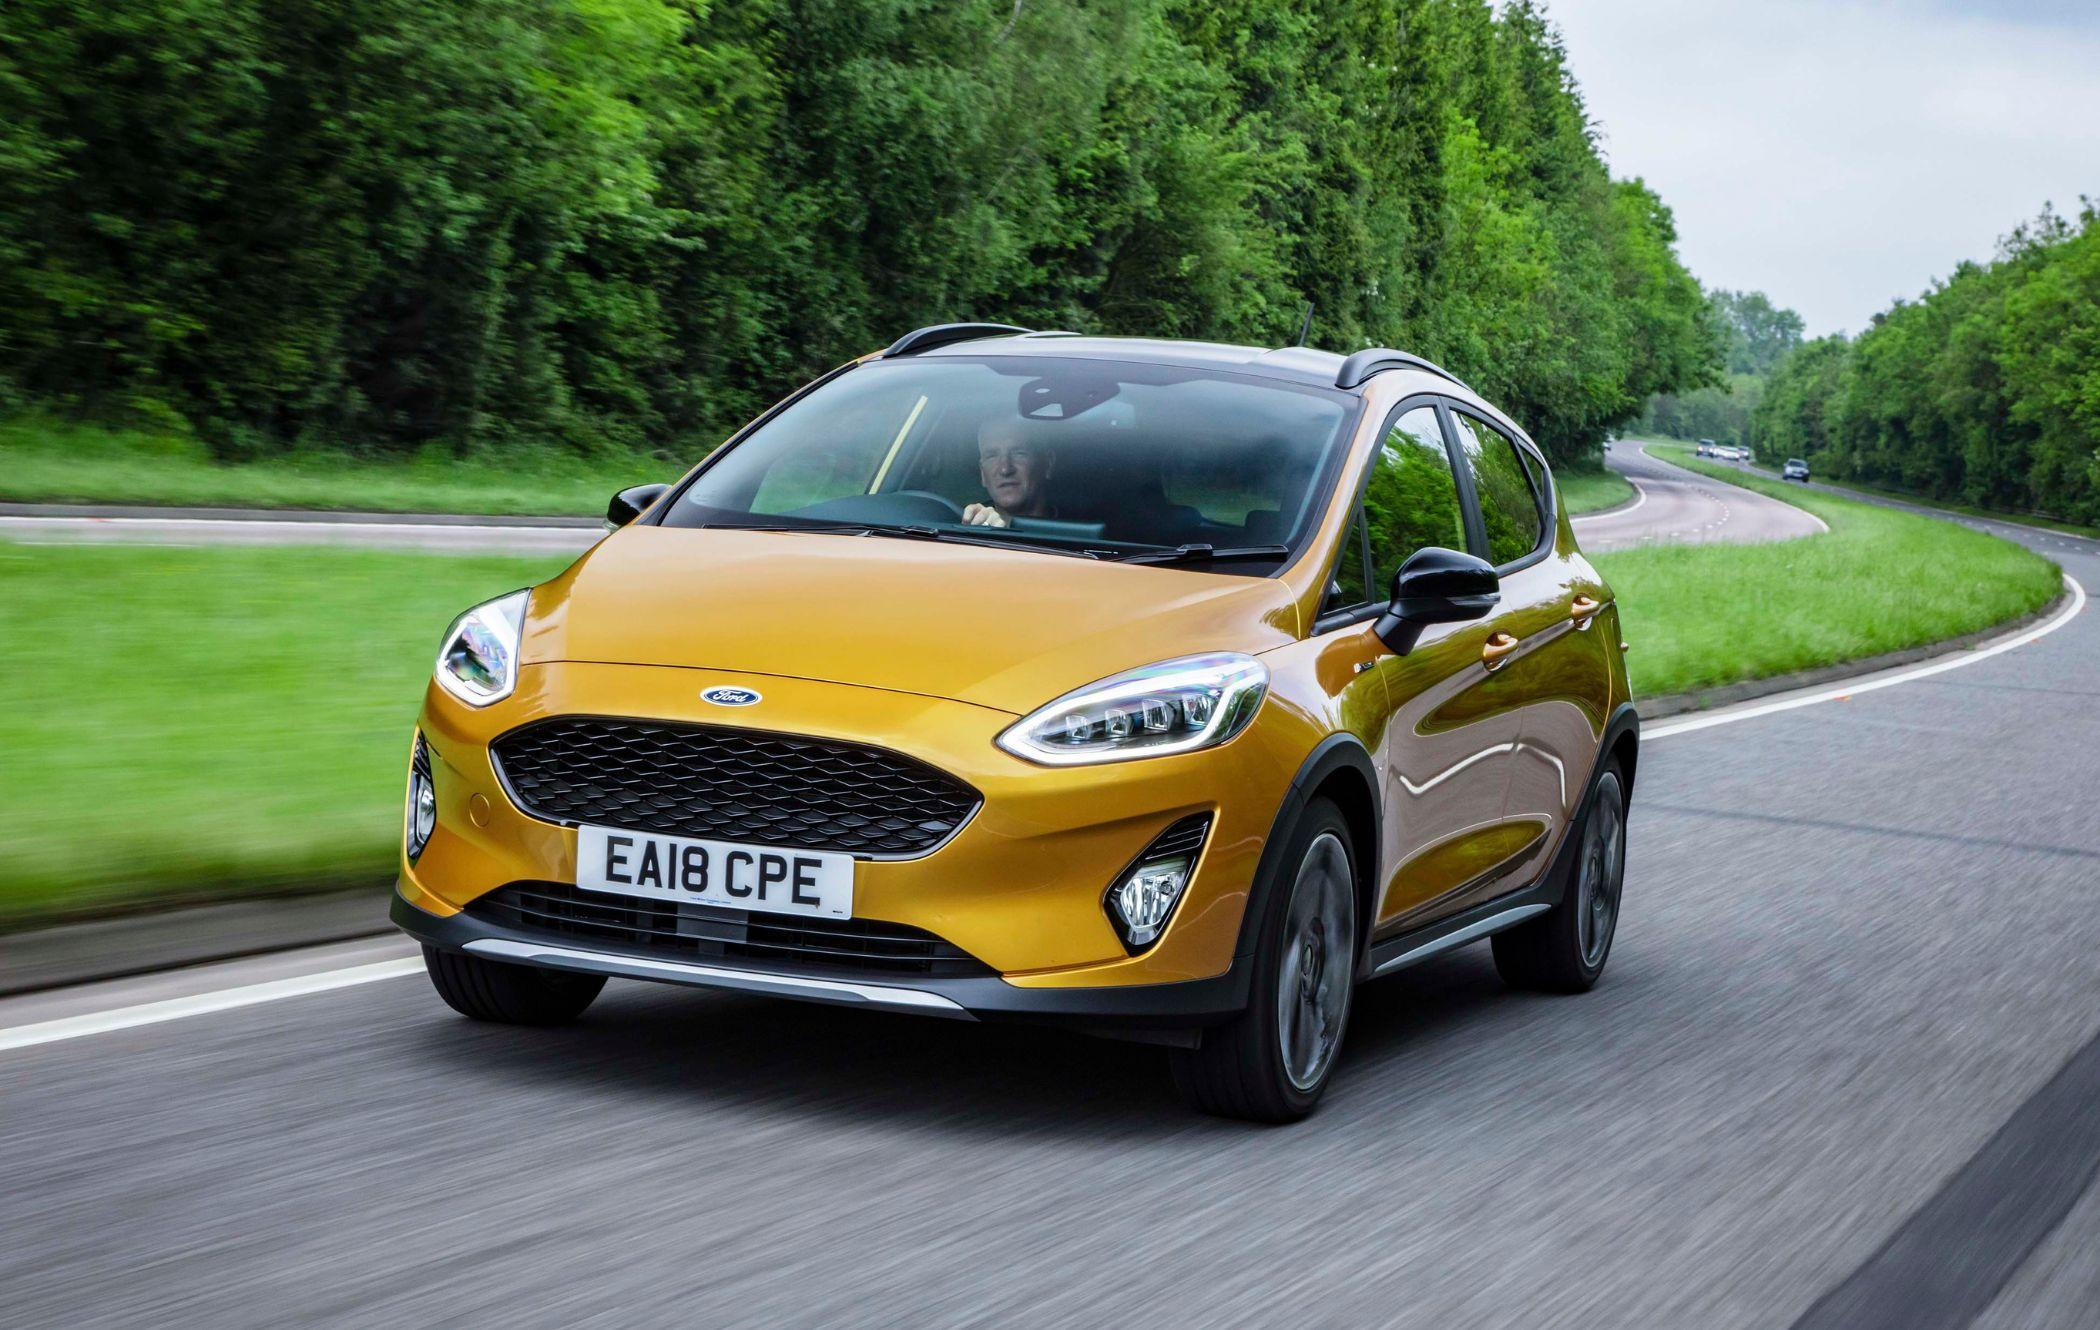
(1583, 608)
(1496, 647)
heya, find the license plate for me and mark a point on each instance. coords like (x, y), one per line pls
(743, 877)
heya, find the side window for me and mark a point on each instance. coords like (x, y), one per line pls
(1351, 584)
(1411, 501)
(1508, 507)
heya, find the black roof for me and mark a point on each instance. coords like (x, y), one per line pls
(1297, 364)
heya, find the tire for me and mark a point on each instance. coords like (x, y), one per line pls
(1564, 949)
(509, 994)
(1272, 1062)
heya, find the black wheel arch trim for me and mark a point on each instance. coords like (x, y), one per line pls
(1335, 753)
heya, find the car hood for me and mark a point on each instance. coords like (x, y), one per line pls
(1003, 629)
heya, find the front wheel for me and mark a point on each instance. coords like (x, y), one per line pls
(509, 994)
(1564, 949)
(1272, 1063)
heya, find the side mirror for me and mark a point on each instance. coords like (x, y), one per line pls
(1436, 585)
(632, 502)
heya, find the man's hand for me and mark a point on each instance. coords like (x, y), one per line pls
(983, 514)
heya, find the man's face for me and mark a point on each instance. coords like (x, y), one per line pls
(1013, 471)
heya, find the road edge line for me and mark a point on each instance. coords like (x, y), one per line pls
(202, 1004)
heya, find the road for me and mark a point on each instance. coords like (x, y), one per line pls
(1844, 1067)
(62, 524)
(1679, 507)
(1674, 505)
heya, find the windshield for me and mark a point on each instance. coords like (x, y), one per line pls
(1101, 458)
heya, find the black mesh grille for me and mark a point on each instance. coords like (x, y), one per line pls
(737, 785)
(678, 931)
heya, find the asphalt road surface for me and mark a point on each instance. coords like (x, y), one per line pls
(62, 524)
(1676, 506)
(1673, 505)
(1843, 1071)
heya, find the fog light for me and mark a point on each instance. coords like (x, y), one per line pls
(422, 801)
(1143, 901)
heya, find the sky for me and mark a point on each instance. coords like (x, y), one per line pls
(1838, 156)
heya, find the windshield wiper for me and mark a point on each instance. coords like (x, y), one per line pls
(1206, 554)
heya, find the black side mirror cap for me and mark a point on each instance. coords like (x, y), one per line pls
(632, 502)
(1436, 585)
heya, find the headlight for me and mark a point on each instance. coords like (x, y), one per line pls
(1176, 706)
(478, 664)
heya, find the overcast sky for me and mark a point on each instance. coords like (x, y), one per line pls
(1839, 155)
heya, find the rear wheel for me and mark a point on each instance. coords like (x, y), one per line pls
(1564, 949)
(510, 994)
(1272, 1063)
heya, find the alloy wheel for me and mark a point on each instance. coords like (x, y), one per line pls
(1318, 970)
(1603, 871)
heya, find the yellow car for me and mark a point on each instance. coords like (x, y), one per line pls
(1166, 690)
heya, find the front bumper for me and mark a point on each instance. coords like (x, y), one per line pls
(1019, 887)
(1188, 1004)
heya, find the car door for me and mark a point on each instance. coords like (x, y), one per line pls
(1556, 675)
(1448, 745)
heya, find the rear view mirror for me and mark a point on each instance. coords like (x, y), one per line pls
(632, 502)
(1436, 585)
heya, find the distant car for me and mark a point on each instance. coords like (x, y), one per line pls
(1795, 469)
(1706, 448)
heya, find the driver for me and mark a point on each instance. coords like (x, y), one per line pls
(1015, 467)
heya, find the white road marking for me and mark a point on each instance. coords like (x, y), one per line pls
(174, 1009)
(1752, 711)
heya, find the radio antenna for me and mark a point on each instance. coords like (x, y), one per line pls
(1305, 327)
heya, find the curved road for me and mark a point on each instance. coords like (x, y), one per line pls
(1676, 506)
(1843, 1071)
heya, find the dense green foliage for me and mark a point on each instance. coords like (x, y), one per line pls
(378, 224)
(1985, 392)
(1756, 336)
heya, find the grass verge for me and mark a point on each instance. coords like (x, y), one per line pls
(50, 461)
(1590, 491)
(189, 724)
(192, 723)
(1700, 616)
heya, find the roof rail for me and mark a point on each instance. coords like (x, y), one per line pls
(942, 334)
(1358, 369)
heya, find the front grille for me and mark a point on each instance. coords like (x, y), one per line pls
(676, 930)
(737, 785)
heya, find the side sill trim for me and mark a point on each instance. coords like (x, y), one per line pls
(1494, 923)
(715, 976)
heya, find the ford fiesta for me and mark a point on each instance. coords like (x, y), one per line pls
(1165, 690)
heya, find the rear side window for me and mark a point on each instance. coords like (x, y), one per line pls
(1411, 500)
(1509, 507)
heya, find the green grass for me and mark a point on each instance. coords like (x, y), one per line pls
(50, 461)
(1699, 616)
(1589, 491)
(189, 723)
(186, 724)
(1966, 509)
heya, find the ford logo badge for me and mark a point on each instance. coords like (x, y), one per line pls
(730, 697)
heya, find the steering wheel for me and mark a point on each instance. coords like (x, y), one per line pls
(949, 510)
(898, 508)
